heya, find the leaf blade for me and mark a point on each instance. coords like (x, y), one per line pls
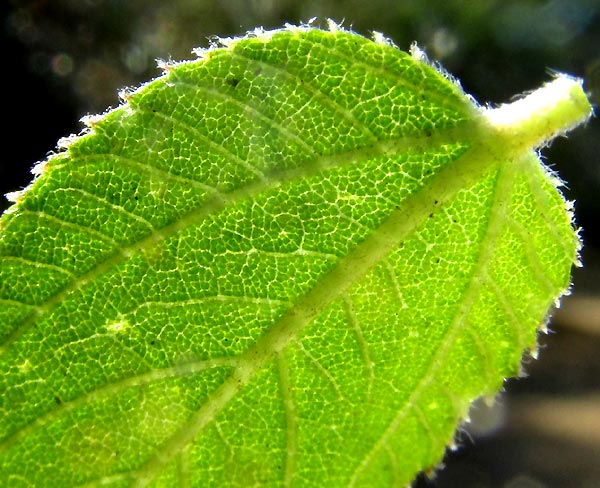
(257, 215)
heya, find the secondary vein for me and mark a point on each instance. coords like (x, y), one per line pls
(219, 201)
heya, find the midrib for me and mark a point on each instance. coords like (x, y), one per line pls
(496, 145)
(415, 209)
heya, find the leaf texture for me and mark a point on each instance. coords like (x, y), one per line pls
(292, 262)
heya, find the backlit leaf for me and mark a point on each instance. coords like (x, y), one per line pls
(292, 262)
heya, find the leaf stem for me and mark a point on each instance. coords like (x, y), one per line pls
(543, 114)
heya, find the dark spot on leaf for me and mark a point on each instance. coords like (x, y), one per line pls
(430, 215)
(57, 400)
(152, 342)
(233, 82)
(435, 202)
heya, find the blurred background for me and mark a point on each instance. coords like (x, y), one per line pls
(67, 58)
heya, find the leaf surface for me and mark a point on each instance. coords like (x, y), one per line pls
(292, 262)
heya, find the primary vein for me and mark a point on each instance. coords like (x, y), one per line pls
(465, 171)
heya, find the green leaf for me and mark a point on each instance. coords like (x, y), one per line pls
(292, 262)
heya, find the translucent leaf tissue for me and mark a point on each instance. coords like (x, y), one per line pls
(292, 262)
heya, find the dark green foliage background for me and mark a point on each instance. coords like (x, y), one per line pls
(66, 58)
